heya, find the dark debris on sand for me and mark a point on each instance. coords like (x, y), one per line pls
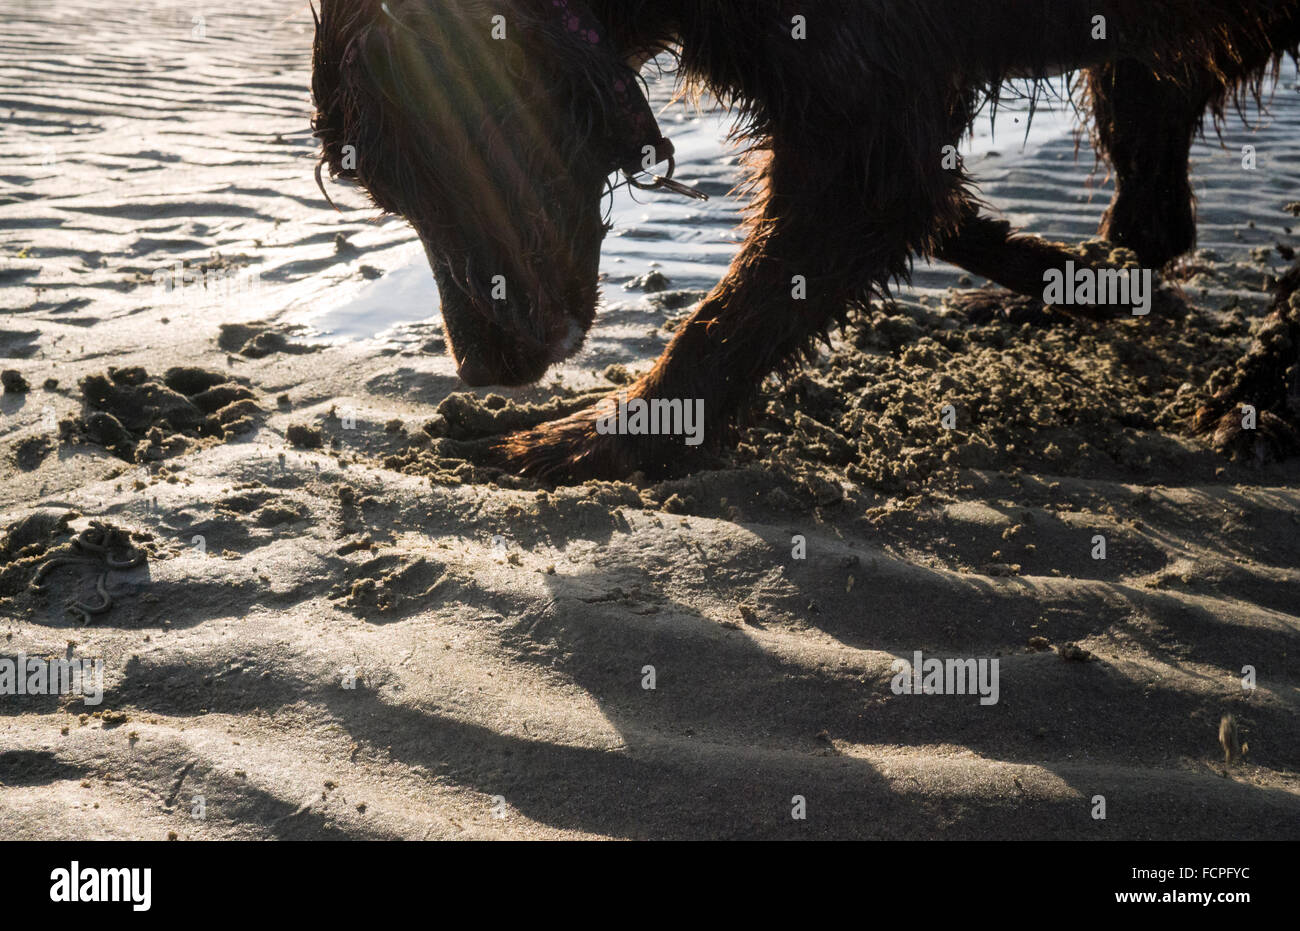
(39, 548)
(258, 340)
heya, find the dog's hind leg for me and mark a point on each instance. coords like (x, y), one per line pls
(1254, 413)
(1021, 262)
(1146, 114)
(1143, 126)
(993, 249)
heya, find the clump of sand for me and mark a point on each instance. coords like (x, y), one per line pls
(142, 418)
(25, 544)
(259, 339)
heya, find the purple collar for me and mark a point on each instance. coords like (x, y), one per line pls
(638, 132)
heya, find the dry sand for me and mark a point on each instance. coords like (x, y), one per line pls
(307, 519)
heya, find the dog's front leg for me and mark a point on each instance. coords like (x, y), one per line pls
(750, 325)
(796, 273)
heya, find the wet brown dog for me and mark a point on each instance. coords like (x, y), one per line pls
(493, 127)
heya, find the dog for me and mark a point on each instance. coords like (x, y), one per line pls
(494, 126)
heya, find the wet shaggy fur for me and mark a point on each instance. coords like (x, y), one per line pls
(845, 130)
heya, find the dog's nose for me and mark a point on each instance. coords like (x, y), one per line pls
(475, 374)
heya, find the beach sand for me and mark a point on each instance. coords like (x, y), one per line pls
(340, 628)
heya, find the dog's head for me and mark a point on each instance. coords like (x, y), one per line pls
(492, 126)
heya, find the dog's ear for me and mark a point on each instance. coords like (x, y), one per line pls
(372, 76)
(585, 47)
(343, 31)
(370, 51)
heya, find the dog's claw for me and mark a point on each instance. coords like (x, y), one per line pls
(572, 450)
(1266, 383)
(1273, 437)
(998, 305)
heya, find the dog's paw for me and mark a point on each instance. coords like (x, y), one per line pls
(998, 305)
(568, 450)
(573, 450)
(1255, 415)
(1244, 433)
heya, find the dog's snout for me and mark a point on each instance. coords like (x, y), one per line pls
(475, 373)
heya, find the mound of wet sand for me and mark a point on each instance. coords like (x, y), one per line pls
(24, 544)
(143, 418)
(259, 339)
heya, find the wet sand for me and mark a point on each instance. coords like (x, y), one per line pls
(343, 628)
